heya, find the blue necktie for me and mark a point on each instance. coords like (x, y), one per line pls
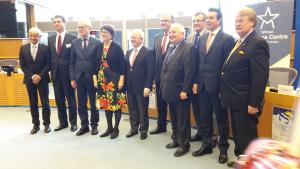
(196, 38)
(170, 52)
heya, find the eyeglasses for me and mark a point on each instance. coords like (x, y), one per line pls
(165, 21)
(82, 27)
(198, 20)
(104, 31)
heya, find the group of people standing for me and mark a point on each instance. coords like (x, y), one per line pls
(210, 72)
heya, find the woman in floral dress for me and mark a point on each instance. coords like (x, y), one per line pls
(110, 80)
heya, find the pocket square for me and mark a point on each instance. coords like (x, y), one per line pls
(241, 52)
(68, 45)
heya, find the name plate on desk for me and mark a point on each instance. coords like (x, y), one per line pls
(286, 89)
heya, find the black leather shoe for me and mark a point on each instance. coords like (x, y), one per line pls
(181, 151)
(231, 164)
(94, 131)
(172, 145)
(196, 137)
(114, 134)
(158, 130)
(223, 158)
(143, 136)
(204, 149)
(35, 129)
(47, 129)
(82, 131)
(106, 133)
(60, 127)
(73, 128)
(131, 133)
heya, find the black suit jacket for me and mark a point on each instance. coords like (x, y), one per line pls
(89, 65)
(177, 74)
(210, 64)
(159, 57)
(40, 66)
(115, 58)
(140, 75)
(245, 75)
(62, 61)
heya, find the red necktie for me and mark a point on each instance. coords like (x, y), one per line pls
(164, 44)
(59, 45)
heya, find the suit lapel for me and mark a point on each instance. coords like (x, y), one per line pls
(176, 52)
(138, 57)
(215, 42)
(28, 52)
(158, 43)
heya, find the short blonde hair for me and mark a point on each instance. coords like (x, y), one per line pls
(138, 32)
(35, 30)
(178, 27)
(250, 13)
(85, 23)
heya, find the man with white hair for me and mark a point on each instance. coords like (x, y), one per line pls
(35, 64)
(85, 61)
(176, 86)
(139, 77)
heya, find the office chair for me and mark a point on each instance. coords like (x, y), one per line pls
(282, 75)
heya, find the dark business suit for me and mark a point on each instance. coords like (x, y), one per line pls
(244, 79)
(162, 106)
(177, 76)
(208, 80)
(139, 76)
(60, 76)
(40, 66)
(83, 65)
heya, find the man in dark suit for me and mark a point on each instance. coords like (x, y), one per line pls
(244, 79)
(212, 50)
(176, 86)
(84, 63)
(139, 79)
(199, 30)
(60, 50)
(35, 64)
(161, 42)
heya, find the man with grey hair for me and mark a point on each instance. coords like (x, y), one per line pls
(244, 78)
(139, 79)
(85, 61)
(176, 86)
(160, 47)
(35, 64)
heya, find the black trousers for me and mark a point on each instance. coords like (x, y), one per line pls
(196, 111)
(162, 108)
(210, 103)
(138, 112)
(85, 87)
(43, 89)
(180, 117)
(244, 129)
(63, 90)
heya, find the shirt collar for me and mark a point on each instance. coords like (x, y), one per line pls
(215, 31)
(138, 48)
(31, 45)
(242, 39)
(61, 34)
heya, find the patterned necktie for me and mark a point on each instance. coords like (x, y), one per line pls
(209, 41)
(84, 49)
(133, 57)
(164, 43)
(196, 38)
(170, 52)
(238, 43)
(59, 45)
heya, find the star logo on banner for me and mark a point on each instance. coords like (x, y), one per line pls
(267, 18)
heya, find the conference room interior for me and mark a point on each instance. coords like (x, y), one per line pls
(20, 149)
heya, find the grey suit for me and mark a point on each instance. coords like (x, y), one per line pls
(60, 76)
(177, 76)
(83, 65)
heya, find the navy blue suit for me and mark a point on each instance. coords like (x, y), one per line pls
(60, 76)
(40, 66)
(139, 76)
(83, 65)
(208, 79)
